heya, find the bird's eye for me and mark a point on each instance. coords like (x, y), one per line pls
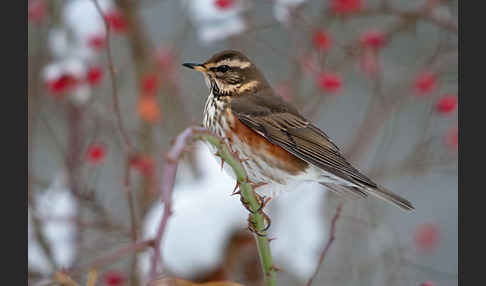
(223, 68)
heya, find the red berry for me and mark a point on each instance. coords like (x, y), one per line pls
(425, 82)
(426, 237)
(96, 153)
(64, 83)
(117, 21)
(447, 104)
(224, 4)
(36, 10)
(373, 39)
(148, 108)
(97, 42)
(144, 164)
(346, 6)
(150, 83)
(94, 75)
(428, 283)
(322, 40)
(330, 82)
(113, 278)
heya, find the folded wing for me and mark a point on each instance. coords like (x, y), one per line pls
(281, 124)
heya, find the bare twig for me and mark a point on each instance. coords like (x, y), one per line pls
(131, 203)
(133, 215)
(111, 68)
(332, 233)
(111, 257)
(168, 179)
(73, 163)
(419, 14)
(103, 224)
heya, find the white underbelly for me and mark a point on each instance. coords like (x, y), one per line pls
(258, 170)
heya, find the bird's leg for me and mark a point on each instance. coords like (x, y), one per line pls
(251, 224)
(246, 205)
(263, 204)
(261, 200)
(267, 219)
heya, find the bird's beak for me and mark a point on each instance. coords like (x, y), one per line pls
(198, 67)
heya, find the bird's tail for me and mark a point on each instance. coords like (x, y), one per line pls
(388, 196)
(362, 192)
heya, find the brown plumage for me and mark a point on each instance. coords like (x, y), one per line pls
(281, 145)
(263, 147)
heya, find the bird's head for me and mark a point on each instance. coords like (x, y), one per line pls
(230, 73)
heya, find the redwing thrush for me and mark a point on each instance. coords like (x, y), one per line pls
(280, 146)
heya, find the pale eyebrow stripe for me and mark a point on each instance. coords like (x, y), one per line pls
(232, 63)
(239, 64)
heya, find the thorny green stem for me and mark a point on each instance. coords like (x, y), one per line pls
(249, 196)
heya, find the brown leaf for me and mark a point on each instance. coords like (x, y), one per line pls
(63, 279)
(92, 277)
(170, 281)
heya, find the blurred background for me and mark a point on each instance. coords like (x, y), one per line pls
(379, 77)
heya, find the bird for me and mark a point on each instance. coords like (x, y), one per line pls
(280, 146)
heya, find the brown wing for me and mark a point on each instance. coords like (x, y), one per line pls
(281, 124)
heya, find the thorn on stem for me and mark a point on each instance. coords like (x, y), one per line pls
(236, 187)
(218, 154)
(222, 163)
(275, 268)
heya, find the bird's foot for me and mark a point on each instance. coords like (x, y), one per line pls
(252, 226)
(262, 200)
